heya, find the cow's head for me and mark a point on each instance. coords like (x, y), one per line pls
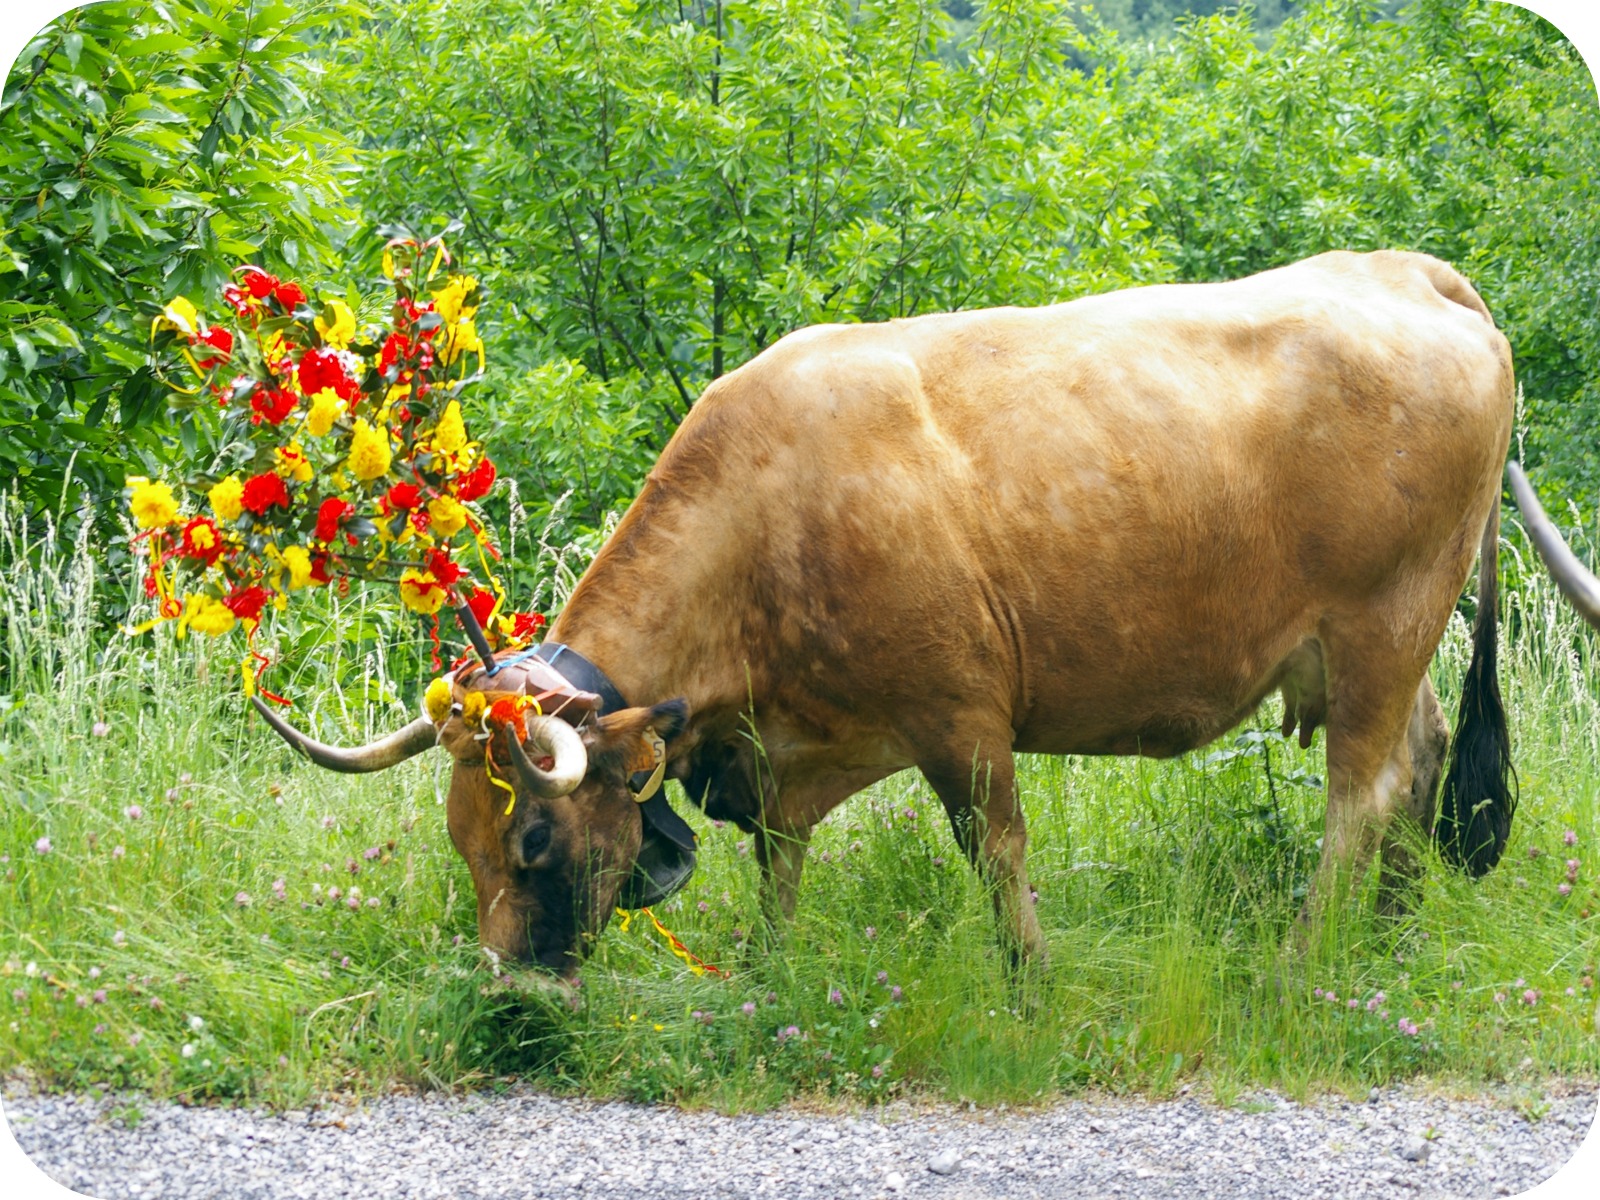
(540, 805)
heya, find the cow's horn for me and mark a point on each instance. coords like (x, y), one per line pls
(404, 743)
(1571, 576)
(552, 736)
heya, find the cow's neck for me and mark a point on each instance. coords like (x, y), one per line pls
(628, 617)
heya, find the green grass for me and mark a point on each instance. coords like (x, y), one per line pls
(1166, 891)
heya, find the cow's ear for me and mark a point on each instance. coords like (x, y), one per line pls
(626, 732)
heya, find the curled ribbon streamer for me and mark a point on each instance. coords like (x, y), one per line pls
(488, 766)
(696, 965)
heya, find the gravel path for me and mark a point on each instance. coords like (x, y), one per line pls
(1401, 1143)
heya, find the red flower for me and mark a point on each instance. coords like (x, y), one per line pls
(404, 495)
(247, 603)
(319, 569)
(413, 312)
(527, 625)
(219, 339)
(476, 483)
(258, 282)
(271, 405)
(237, 298)
(322, 369)
(329, 516)
(288, 295)
(201, 541)
(395, 347)
(481, 602)
(421, 519)
(441, 568)
(262, 491)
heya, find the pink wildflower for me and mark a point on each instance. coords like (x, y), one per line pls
(835, 996)
(242, 899)
(43, 846)
(118, 851)
(1570, 837)
(133, 812)
(99, 729)
(1530, 997)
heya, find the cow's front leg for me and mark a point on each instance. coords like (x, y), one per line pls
(781, 855)
(976, 782)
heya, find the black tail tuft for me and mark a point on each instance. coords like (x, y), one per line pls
(1479, 793)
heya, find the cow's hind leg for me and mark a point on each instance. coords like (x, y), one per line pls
(1373, 689)
(975, 780)
(1427, 737)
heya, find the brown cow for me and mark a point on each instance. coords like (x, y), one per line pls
(1111, 526)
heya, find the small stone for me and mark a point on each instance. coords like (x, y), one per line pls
(1372, 1096)
(945, 1162)
(894, 1181)
(1415, 1149)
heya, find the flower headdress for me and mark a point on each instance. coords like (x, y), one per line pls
(352, 451)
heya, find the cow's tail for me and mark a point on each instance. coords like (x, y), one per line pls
(1479, 793)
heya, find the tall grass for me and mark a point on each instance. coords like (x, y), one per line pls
(168, 916)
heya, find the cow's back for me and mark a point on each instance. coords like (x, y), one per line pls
(1142, 500)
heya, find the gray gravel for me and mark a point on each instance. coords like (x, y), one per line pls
(1403, 1143)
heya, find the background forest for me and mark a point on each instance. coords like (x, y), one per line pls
(652, 192)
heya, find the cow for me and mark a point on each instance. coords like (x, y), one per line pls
(1108, 526)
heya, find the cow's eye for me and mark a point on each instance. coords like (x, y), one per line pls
(534, 842)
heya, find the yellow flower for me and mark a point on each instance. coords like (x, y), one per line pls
(451, 432)
(298, 560)
(206, 615)
(226, 499)
(179, 314)
(436, 700)
(292, 463)
(450, 301)
(464, 339)
(152, 504)
(369, 451)
(421, 592)
(326, 408)
(339, 333)
(449, 517)
(472, 709)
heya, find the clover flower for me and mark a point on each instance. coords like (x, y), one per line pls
(242, 899)
(327, 822)
(43, 846)
(1570, 837)
(877, 1070)
(371, 852)
(119, 938)
(871, 932)
(1530, 997)
(118, 851)
(99, 729)
(748, 1008)
(133, 812)
(883, 978)
(895, 993)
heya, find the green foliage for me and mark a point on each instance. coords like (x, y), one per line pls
(661, 190)
(1469, 131)
(144, 150)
